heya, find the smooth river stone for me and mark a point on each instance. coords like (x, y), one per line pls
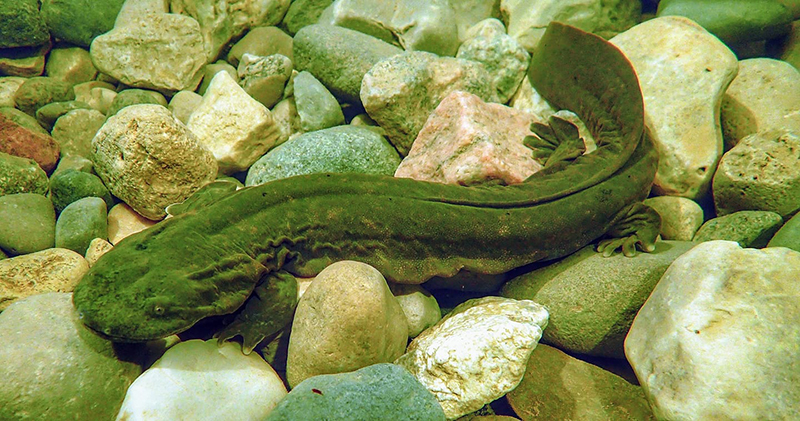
(680, 217)
(717, 339)
(81, 222)
(75, 130)
(788, 235)
(420, 307)
(49, 270)
(261, 41)
(70, 64)
(683, 72)
(317, 107)
(27, 223)
(748, 228)
(78, 22)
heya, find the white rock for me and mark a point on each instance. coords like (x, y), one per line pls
(420, 307)
(477, 353)
(683, 72)
(236, 128)
(200, 380)
(527, 99)
(717, 339)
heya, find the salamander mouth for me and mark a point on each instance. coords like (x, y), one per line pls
(106, 333)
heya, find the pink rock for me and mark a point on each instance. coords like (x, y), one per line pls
(19, 141)
(467, 141)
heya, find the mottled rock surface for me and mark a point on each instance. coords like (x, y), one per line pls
(49, 270)
(21, 175)
(748, 228)
(27, 223)
(680, 217)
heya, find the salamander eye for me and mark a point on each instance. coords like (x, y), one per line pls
(156, 308)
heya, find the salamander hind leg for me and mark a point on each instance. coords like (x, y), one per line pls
(637, 224)
(556, 142)
(268, 310)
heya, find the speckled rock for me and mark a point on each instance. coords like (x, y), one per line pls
(339, 57)
(504, 59)
(8, 87)
(528, 20)
(40, 91)
(261, 41)
(232, 385)
(399, 93)
(415, 25)
(264, 78)
(420, 307)
(70, 185)
(705, 324)
(557, 386)
(97, 248)
(27, 223)
(162, 51)
(70, 64)
(21, 175)
(592, 299)
(123, 221)
(249, 130)
(477, 353)
(760, 173)
(748, 228)
(128, 97)
(684, 72)
(75, 23)
(22, 24)
(183, 104)
(49, 270)
(47, 115)
(81, 222)
(75, 130)
(347, 319)
(761, 98)
(149, 159)
(24, 61)
(317, 107)
(47, 354)
(379, 392)
(467, 141)
(680, 217)
(337, 149)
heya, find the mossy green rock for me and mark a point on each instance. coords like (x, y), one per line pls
(27, 121)
(788, 235)
(39, 91)
(380, 392)
(78, 22)
(133, 97)
(748, 228)
(341, 149)
(27, 223)
(75, 130)
(80, 223)
(72, 185)
(765, 19)
(47, 115)
(22, 24)
(302, 13)
(21, 175)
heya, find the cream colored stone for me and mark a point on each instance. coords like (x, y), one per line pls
(149, 159)
(100, 99)
(527, 99)
(347, 319)
(200, 380)
(477, 353)
(420, 307)
(133, 10)
(762, 97)
(50, 270)
(70, 64)
(680, 217)
(183, 104)
(97, 248)
(717, 339)
(124, 221)
(683, 72)
(287, 119)
(8, 87)
(236, 128)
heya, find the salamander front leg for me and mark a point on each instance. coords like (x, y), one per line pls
(557, 142)
(637, 224)
(268, 309)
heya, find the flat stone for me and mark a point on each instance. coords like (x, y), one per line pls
(683, 71)
(75, 130)
(592, 299)
(249, 130)
(339, 57)
(760, 173)
(71, 185)
(81, 222)
(477, 353)
(342, 149)
(74, 22)
(24, 61)
(129, 97)
(748, 228)
(467, 141)
(39, 91)
(261, 41)
(50, 270)
(25, 120)
(264, 78)
(420, 307)
(21, 175)
(722, 316)
(47, 354)
(70, 64)
(303, 13)
(233, 385)
(415, 25)
(760, 98)
(680, 217)
(183, 104)
(504, 59)
(150, 160)
(317, 107)
(22, 24)
(27, 223)
(163, 51)
(557, 386)
(48, 114)
(528, 20)
(379, 391)
(399, 93)
(123, 221)
(8, 87)
(347, 319)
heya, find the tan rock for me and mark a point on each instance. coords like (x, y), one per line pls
(97, 248)
(762, 97)
(50, 270)
(347, 319)
(287, 119)
(420, 307)
(261, 41)
(467, 141)
(249, 130)
(183, 104)
(124, 221)
(683, 72)
(477, 353)
(8, 87)
(149, 159)
(717, 339)
(70, 64)
(133, 10)
(680, 217)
